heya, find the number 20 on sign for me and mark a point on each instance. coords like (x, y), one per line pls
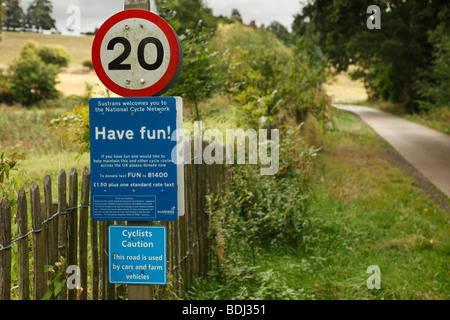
(136, 53)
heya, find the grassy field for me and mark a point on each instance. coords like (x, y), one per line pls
(343, 89)
(25, 131)
(72, 80)
(363, 211)
(12, 42)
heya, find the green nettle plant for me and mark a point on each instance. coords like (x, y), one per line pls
(57, 283)
(76, 122)
(9, 183)
(76, 125)
(265, 210)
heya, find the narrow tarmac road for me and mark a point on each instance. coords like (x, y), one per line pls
(424, 148)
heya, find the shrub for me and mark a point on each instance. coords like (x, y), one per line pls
(32, 77)
(32, 80)
(88, 64)
(76, 126)
(433, 89)
(9, 183)
(254, 61)
(29, 48)
(55, 55)
(200, 75)
(5, 88)
(265, 210)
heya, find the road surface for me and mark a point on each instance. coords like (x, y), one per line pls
(424, 148)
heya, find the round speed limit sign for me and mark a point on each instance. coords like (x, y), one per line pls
(137, 54)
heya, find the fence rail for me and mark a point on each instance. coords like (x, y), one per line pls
(64, 229)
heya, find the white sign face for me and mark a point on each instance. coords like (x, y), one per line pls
(137, 54)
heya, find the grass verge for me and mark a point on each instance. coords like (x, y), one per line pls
(363, 211)
(437, 118)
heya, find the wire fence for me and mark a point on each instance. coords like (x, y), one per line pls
(63, 229)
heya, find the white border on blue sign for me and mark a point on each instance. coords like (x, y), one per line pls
(110, 256)
(180, 160)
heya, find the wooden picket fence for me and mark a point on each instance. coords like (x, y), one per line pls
(64, 229)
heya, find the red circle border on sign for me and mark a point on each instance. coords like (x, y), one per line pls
(175, 54)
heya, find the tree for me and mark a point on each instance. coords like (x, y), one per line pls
(280, 31)
(56, 55)
(235, 14)
(32, 77)
(50, 54)
(303, 78)
(39, 15)
(2, 15)
(389, 58)
(200, 74)
(14, 15)
(185, 14)
(33, 80)
(435, 79)
(254, 60)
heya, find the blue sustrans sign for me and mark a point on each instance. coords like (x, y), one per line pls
(133, 175)
(137, 255)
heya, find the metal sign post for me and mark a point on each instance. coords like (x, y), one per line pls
(137, 55)
(138, 292)
(137, 4)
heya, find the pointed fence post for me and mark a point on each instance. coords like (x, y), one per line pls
(24, 263)
(5, 250)
(39, 285)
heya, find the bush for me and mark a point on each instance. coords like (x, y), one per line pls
(8, 182)
(253, 60)
(254, 213)
(265, 210)
(433, 88)
(88, 64)
(29, 48)
(32, 77)
(55, 55)
(76, 126)
(32, 80)
(269, 209)
(5, 88)
(265, 79)
(200, 75)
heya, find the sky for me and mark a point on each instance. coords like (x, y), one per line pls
(94, 12)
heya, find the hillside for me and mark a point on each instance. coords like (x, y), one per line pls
(72, 80)
(12, 42)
